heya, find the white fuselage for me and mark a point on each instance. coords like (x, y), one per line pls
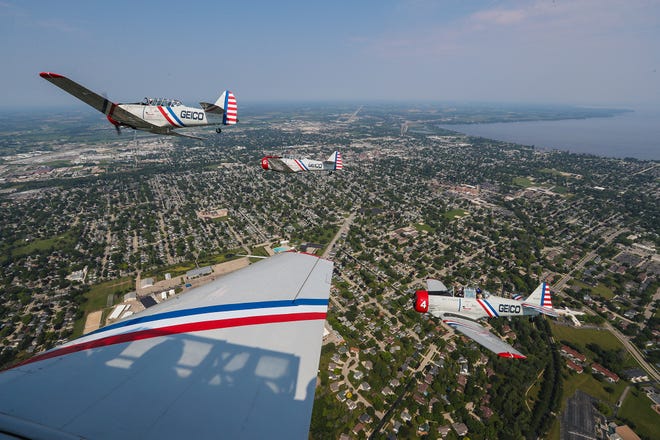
(490, 306)
(165, 116)
(289, 165)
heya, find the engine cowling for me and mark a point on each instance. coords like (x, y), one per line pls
(422, 301)
(264, 163)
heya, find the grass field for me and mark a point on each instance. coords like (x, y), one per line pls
(583, 336)
(637, 408)
(599, 290)
(522, 181)
(261, 251)
(97, 299)
(592, 386)
(179, 269)
(455, 213)
(175, 270)
(45, 244)
(424, 227)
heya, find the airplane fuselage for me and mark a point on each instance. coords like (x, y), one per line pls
(165, 116)
(289, 165)
(477, 308)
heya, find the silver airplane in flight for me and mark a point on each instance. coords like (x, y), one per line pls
(159, 116)
(463, 308)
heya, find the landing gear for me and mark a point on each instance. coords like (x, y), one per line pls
(218, 130)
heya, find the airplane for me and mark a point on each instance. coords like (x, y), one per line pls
(235, 358)
(462, 309)
(159, 116)
(291, 165)
(571, 314)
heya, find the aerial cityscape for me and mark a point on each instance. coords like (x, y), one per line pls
(96, 227)
(330, 220)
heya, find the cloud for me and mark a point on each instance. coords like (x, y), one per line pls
(58, 26)
(499, 16)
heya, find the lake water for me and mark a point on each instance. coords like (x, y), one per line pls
(632, 134)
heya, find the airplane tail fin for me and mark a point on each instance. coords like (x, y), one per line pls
(336, 160)
(226, 106)
(541, 300)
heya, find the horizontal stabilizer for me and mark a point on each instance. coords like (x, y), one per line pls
(543, 310)
(211, 108)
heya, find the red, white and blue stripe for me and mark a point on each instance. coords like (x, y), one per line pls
(194, 320)
(170, 116)
(230, 116)
(490, 310)
(338, 162)
(301, 164)
(546, 300)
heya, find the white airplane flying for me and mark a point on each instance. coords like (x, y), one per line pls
(571, 314)
(160, 116)
(236, 359)
(461, 310)
(291, 165)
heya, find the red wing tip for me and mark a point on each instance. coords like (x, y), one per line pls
(50, 75)
(506, 354)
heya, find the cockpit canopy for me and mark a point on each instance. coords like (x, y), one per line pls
(161, 101)
(471, 292)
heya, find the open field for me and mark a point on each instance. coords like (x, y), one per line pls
(455, 213)
(424, 227)
(599, 290)
(97, 299)
(583, 336)
(181, 268)
(59, 241)
(637, 408)
(592, 386)
(522, 181)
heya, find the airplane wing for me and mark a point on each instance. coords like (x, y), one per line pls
(97, 101)
(236, 358)
(482, 336)
(435, 286)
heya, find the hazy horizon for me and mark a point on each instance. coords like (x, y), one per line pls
(584, 52)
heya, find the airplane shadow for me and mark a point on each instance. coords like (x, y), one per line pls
(175, 386)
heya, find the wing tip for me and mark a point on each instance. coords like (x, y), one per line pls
(506, 354)
(48, 75)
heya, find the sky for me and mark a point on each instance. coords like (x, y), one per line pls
(578, 52)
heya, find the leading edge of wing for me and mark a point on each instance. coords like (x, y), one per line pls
(237, 357)
(480, 335)
(100, 103)
(81, 92)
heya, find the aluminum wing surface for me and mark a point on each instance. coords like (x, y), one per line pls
(480, 335)
(97, 101)
(236, 359)
(435, 286)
